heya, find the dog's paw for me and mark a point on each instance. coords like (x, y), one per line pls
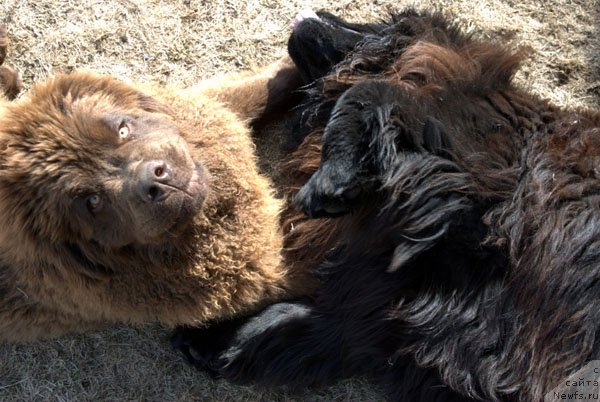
(199, 347)
(203, 347)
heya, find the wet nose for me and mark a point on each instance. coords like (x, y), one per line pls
(153, 180)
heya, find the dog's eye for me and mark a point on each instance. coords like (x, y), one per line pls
(94, 203)
(124, 131)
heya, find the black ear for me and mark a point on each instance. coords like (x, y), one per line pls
(410, 249)
(435, 138)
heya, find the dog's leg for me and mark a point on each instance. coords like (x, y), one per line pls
(296, 344)
(278, 346)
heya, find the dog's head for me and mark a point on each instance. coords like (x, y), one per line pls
(91, 159)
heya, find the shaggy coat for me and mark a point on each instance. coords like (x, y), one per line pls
(123, 204)
(468, 267)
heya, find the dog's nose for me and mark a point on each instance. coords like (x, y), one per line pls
(318, 205)
(153, 181)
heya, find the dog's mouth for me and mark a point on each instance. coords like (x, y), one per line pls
(196, 187)
(194, 190)
(193, 194)
(175, 213)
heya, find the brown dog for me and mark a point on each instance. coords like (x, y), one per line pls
(123, 204)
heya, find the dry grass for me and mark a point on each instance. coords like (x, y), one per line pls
(181, 42)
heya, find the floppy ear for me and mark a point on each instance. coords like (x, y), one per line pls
(427, 197)
(411, 248)
(85, 265)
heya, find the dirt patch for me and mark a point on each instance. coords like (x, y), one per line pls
(183, 42)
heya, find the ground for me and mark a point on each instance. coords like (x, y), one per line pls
(182, 42)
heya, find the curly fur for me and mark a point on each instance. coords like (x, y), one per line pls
(58, 275)
(457, 239)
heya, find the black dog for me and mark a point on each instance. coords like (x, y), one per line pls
(469, 267)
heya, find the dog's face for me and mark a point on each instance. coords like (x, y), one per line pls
(370, 132)
(349, 157)
(90, 159)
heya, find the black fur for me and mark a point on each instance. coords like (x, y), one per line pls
(469, 267)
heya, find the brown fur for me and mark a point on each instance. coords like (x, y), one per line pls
(10, 81)
(63, 270)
